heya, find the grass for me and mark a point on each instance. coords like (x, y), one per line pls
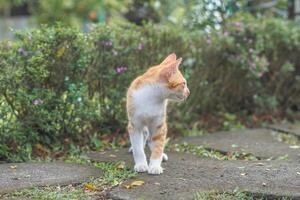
(286, 138)
(211, 195)
(114, 174)
(236, 195)
(210, 153)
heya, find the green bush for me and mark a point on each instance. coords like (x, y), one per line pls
(251, 66)
(43, 91)
(60, 87)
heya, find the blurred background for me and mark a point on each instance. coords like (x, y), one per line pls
(65, 66)
(194, 14)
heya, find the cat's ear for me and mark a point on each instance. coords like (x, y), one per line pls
(169, 58)
(178, 62)
(170, 69)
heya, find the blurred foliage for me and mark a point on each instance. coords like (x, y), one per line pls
(60, 87)
(75, 12)
(192, 14)
(72, 12)
(12, 2)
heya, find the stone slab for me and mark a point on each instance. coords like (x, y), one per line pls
(16, 176)
(287, 128)
(186, 174)
(259, 142)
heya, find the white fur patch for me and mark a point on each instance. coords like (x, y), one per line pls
(149, 103)
(155, 167)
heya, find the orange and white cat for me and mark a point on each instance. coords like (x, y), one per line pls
(147, 99)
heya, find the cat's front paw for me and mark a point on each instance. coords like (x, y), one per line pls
(140, 167)
(155, 170)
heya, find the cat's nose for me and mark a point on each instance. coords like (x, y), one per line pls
(187, 92)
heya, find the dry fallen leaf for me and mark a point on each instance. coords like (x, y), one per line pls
(243, 174)
(40, 150)
(134, 184)
(90, 186)
(60, 52)
(295, 147)
(122, 141)
(121, 166)
(112, 156)
(260, 164)
(13, 166)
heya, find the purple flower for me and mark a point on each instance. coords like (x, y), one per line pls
(37, 102)
(121, 69)
(260, 74)
(208, 41)
(20, 50)
(106, 43)
(250, 50)
(141, 46)
(237, 24)
(226, 33)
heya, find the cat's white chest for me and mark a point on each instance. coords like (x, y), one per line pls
(148, 102)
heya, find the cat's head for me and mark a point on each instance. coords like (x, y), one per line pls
(173, 80)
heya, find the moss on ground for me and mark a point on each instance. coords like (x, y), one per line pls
(236, 195)
(114, 174)
(203, 151)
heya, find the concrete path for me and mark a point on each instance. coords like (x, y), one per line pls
(259, 142)
(16, 176)
(287, 128)
(186, 174)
